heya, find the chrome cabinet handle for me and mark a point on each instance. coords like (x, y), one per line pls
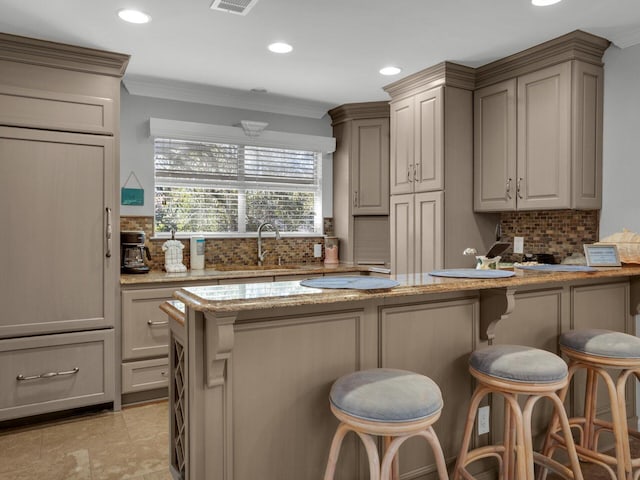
(355, 198)
(22, 378)
(409, 171)
(151, 323)
(109, 233)
(509, 188)
(417, 167)
(518, 188)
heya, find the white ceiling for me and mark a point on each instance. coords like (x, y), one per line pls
(189, 51)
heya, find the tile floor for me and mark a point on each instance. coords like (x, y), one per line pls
(131, 444)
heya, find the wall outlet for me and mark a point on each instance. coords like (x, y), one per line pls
(317, 250)
(483, 420)
(518, 244)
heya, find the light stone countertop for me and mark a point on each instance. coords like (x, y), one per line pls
(237, 271)
(229, 298)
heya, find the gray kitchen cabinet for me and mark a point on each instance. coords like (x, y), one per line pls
(417, 232)
(538, 134)
(44, 373)
(432, 217)
(417, 153)
(361, 181)
(59, 127)
(56, 188)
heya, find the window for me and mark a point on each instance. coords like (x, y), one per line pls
(223, 188)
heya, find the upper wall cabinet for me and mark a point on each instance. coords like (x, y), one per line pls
(538, 128)
(59, 87)
(417, 157)
(362, 156)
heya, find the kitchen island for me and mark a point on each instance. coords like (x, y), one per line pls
(252, 365)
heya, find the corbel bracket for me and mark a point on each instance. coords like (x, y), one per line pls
(218, 343)
(495, 304)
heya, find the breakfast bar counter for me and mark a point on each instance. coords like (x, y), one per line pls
(252, 364)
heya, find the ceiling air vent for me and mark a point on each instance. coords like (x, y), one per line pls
(241, 7)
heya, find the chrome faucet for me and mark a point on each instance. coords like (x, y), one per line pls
(261, 254)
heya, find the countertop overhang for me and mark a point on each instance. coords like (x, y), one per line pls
(244, 297)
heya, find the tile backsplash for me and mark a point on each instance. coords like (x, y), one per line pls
(234, 251)
(558, 232)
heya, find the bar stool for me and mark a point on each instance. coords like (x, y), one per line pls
(511, 371)
(596, 350)
(394, 404)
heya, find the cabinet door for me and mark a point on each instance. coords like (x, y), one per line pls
(587, 136)
(370, 166)
(544, 138)
(429, 231)
(494, 156)
(402, 146)
(56, 271)
(402, 234)
(429, 139)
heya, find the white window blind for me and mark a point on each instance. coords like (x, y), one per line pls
(207, 187)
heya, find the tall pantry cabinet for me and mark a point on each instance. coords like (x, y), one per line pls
(59, 123)
(361, 182)
(431, 164)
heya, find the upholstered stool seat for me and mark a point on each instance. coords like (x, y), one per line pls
(394, 404)
(599, 353)
(512, 371)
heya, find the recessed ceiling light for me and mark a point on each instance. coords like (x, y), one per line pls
(544, 3)
(390, 71)
(259, 90)
(280, 47)
(134, 16)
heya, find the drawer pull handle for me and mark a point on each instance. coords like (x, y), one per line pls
(163, 373)
(151, 323)
(21, 377)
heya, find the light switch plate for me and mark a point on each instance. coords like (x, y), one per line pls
(518, 244)
(483, 420)
(317, 250)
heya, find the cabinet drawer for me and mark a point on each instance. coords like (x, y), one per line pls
(145, 328)
(145, 375)
(24, 107)
(55, 372)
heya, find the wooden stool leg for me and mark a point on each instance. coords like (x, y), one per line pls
(520, 443)
(334, 451)
(566, 430)
(590, 403)
(621, 384)
(508, 465)
(391, 453)
(479, 393)
(395, 465)
(372, 453)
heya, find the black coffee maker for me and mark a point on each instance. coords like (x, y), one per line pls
(132, 252)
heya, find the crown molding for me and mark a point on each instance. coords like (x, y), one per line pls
(224, 97)
(163, 128)
(577, 45)
(359, 111)
(32, 51)
(626, 39)
(444, 73)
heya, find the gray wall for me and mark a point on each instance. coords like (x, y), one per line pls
(621, 144)
(136, 146)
